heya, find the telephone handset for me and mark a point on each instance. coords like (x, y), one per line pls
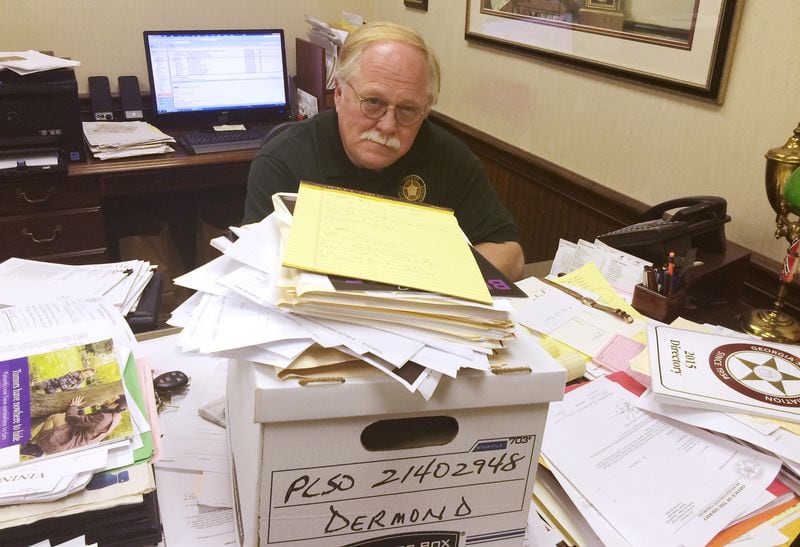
(697, 221)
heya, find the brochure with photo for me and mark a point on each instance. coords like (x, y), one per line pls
(61, 400)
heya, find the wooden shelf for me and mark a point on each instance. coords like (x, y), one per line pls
(311, 72)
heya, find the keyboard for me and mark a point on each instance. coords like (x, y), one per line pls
(203, 142)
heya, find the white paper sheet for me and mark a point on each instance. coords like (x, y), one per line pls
(30, 61)
(187, 523)
(215, 490)
(554, 313)
(205, 277)
(780, 442)
(656, 481)
(189, 441)
(30, 160)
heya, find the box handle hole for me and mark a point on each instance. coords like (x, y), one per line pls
(404, 433)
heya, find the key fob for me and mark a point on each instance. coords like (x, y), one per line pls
(170, 381)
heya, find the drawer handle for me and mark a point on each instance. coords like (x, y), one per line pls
(50, 191)
(56, 230)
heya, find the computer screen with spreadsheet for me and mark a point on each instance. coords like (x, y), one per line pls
(209, 77)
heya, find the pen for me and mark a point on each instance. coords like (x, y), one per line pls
(676, 279)
(659, 288)
(670, 272)
(586, 301)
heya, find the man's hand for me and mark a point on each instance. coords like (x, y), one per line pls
(506, 257)
(78, 401)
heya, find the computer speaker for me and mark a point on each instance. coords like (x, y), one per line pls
(130, 97)
(100, 97)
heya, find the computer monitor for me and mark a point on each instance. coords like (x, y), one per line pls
(209, 77)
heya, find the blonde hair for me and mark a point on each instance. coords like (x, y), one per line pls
(358, 41)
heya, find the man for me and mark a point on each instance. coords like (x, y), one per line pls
(378, 140)
(70, 381)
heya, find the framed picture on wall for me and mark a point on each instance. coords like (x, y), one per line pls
(417, 4)
(612, 5)
(686, 48)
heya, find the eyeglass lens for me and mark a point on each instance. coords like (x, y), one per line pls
(374, 108)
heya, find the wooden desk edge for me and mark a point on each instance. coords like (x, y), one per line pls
(153, 334)
(159, 161)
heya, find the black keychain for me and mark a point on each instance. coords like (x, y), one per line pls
(170, 383)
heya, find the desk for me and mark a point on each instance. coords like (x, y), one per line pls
(78, 217)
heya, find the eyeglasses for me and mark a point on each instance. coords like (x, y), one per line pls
(374, 109)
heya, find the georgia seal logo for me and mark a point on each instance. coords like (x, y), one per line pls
(412, 188)
(759, 372)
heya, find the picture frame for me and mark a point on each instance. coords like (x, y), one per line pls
(416, 4)
(612, 5)
(687, 51)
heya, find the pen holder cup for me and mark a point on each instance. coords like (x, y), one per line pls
(658, 306)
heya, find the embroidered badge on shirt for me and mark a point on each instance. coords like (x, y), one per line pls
(413, 189)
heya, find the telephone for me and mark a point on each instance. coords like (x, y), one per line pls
(697, 221)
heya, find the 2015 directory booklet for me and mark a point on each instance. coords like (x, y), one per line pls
(725, 373)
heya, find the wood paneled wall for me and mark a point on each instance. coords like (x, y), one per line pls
(549, 202)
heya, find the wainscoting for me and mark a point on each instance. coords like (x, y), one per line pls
(549, 202)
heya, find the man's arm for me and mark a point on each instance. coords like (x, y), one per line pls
(260, 180)
(506, 257)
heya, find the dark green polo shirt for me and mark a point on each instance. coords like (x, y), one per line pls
(450, 174)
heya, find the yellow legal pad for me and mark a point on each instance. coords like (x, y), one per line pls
(364, 236)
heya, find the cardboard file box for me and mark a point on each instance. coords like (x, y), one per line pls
(365, 462)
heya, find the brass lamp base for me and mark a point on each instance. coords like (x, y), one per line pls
(771, 325)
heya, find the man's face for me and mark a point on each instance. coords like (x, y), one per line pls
(394, 73)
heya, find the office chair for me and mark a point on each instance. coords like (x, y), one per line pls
(276, 130)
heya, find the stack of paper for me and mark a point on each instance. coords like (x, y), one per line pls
(578, 490)
(745, 389)
(261, 302)
(28, 281)
(73, 400)
(640, 479)
(28, 62)
(108, 140)
(330, 38)
(193, 468)
(623, 271)
(710, 455)
(602, 337)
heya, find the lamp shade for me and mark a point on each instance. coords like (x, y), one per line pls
(781, 162)
(791, 192)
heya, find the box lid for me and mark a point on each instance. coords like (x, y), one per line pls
(541, 380)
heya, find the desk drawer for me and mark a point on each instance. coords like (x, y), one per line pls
(165, 180)
(24, 197)
(52, 234)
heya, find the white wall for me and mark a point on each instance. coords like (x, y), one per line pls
(106, 35)
(642, 142)
(648, 144)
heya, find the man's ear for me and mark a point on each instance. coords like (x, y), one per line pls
(337, 95)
